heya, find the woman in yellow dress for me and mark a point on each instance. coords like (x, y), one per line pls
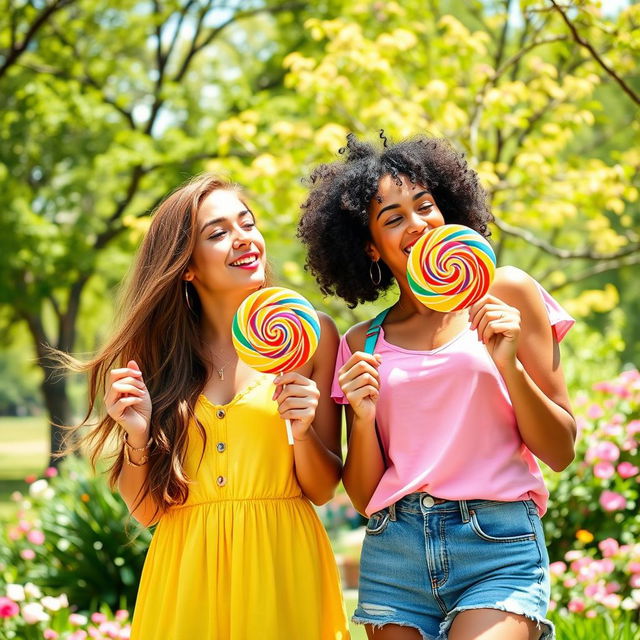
(238, 552)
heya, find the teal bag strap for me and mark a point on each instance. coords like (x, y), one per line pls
(371, 338)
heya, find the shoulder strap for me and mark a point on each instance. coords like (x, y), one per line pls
(373, 331)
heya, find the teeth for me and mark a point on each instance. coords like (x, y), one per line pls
(239, 263)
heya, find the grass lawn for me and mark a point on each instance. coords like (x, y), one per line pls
(24, 450)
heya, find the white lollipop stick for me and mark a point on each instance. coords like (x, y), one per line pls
(287, 423)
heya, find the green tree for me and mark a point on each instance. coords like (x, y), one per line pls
(104, 107)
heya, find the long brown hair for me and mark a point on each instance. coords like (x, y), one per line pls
(160, 332)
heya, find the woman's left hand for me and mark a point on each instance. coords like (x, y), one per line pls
(297, 399)
(498, 327)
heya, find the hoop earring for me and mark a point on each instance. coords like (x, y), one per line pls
(378, 280)
(186, 296)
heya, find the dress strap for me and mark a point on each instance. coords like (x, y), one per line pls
(373, 331)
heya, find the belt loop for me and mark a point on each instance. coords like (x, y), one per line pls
(392, 512)
(464, 511)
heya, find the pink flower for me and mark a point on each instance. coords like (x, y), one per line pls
(633, 567)
(590, 614)
(612, 587)
(8, 608)
(627, 470)
(576, 605)
(612, 601)
(557, 568)
(30, 479)
(602, 451)
(612, 430)
(595, 411)
(35, 536)
(633, 427)
(570, 582)
(50, 634)
(77, 619)
(51, 472)
(109, 628)
(78, 635)
(634, 580)
(595, 591)
(603, 470)
(98, 617)
(27, 554)
(612, 501)
(609, 547)
(121, 615)
(572, 555)
(24, 525)
(15, 533)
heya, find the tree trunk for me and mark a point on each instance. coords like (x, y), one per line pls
(54, 390)
(54, 384)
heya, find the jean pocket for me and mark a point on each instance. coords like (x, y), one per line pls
(506, 522)
(378, 522)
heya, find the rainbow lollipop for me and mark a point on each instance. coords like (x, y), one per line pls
(275, 330)
(450, 267)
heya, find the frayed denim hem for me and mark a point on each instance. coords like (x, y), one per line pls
(378, 624)
(544, 625)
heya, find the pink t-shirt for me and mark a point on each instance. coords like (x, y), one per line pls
(447, 424)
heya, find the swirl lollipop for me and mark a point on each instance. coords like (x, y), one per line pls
(450, 267)
(275, 330)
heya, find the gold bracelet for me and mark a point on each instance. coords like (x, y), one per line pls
(126, 442)
(130, 462)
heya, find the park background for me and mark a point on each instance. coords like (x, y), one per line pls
(107, 106)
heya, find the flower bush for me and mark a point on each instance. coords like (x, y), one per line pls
(27, 614)
(593, 525)
(599, 492)
(71, 534)
(592, 583)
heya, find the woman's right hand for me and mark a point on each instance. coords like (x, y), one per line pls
(128, 402)
(360, 382)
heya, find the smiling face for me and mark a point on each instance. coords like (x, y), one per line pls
(229, 253)
(398, 216)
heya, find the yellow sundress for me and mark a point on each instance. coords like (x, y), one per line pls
(246, 556)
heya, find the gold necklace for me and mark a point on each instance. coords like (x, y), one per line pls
(220, 370)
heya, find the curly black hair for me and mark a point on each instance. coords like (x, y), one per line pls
(334, 222)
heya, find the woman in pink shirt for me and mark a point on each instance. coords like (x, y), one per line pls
(446, 412)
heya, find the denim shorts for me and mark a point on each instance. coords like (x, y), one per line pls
(423, 563)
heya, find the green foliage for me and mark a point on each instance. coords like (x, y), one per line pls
(113, 104)
(74, 536)
(599, 491)
(603, 627)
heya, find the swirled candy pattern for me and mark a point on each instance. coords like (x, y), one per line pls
(275, 330)
(450, 267)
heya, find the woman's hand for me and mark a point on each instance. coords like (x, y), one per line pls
(498, 327)
(297, 399)
(128, 402)
(360, 382)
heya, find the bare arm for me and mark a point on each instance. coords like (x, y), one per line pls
(128, 403)
(514, 326)
(360, 383)
(315, 418)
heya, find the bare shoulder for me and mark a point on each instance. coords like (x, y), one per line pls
(517, 288)
(356, 336)
(328, 329)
